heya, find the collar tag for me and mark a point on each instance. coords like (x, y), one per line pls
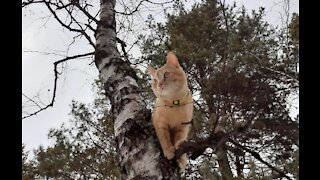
(175, 102)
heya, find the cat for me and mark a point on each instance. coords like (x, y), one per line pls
(173, 109)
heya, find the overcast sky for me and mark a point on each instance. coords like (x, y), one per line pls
(75, 82)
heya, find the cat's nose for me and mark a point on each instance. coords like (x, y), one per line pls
(160, 85)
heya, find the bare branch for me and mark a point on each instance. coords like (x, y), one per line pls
(43, 52)
(68, 27)
(31, 100)
(296, 80)
(162, 3)
(140, 3)
(218, 115)
(96, 144)
(222, 4)
(133, 11)
(123, 45)
(82, 30)
(56, 73)
(93, 18)
(258, 157)
(28, 2)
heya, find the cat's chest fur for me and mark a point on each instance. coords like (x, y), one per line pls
(172, 116)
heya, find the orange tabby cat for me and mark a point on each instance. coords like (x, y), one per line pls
(173, 108)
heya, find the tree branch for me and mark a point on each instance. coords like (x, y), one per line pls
(31, 100)
(133, 11)
(296, 80)
(96, 144)
(28, 2)
(87, 14)
(225, 53)
(68, 26)
(82, 30)
(258, 157)
(55, 81)
(197, 146)
(162, 3)
(218, 118)
(123, 45)
(140, 3)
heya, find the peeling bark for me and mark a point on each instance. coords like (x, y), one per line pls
(139, 150)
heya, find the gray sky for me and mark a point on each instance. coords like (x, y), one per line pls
(75, 82)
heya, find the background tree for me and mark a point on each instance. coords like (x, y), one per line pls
(85, 148)
(241, 73)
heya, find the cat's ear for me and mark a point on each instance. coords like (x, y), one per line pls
(172, 60)
(151, 70)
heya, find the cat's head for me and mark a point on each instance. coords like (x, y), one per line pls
(169, 80)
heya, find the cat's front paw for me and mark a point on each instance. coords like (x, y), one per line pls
(169, 153)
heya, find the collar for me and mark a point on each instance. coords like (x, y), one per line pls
(176, 102)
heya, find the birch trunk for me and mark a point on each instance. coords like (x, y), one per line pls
(138, 148)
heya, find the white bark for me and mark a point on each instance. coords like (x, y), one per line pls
(127, 114)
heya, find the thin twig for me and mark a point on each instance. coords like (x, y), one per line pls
(131, 12)
(275, 71)
(68, 27)
(56, 73)
(28, 2)
(258, 157)
(31, 100)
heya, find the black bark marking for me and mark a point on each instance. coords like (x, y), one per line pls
(99, 55)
